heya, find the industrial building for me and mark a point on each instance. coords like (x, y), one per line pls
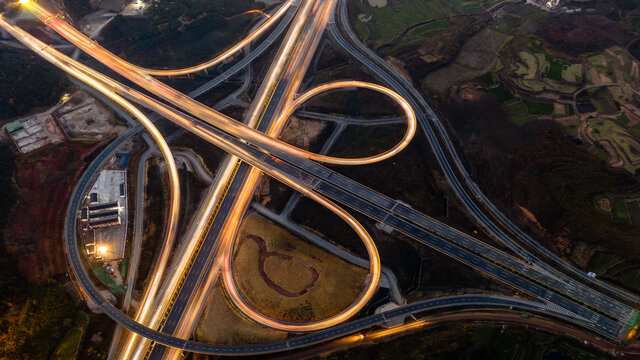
(105, 215)
(35, 131)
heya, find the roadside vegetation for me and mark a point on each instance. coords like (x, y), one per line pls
(462, 341)
(178, 33)
(545, 109)
(27, 82)
(34, 318)
(78, 8)
(153, 223)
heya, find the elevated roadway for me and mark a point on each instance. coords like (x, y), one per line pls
(428, 118)
(407, 227)
(551, 295)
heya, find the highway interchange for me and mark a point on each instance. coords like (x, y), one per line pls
(561, 295)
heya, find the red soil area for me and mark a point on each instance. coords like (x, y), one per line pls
(46, 178)
(264, 254)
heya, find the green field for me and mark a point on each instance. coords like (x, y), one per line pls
(517, 112)
(618, 136)
(539, 72)
(599, 153)
(507, 24)
(623, 120)
(123, 268)
(486, 79)
(470, 7)
(600, 262)
(387, 23)
(500, 93)
(528, 67)
(555, 68)
(101, 274)
(620, 212)
(573, 73)
(382, 26)
(417, 35)
(68, 347)
(538, 108)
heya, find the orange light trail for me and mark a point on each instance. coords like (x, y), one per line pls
(233, 127)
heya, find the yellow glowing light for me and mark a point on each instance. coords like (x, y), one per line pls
(102, 250)
(23, 1)
(397, 329)
(351, 339)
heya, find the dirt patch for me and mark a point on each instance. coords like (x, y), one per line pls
(301, 132)
(435, 51)
(46, 178)
(275, 265)
(337, 282)
(377, 3)
(221, 324)
(477, 56)
(83, 118)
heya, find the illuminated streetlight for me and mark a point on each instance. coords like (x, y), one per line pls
(102, 250)
(23, 1)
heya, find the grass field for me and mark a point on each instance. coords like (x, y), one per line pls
(554, 69)
(528, 71)
(390, 21)
(599, 153)
(222, 324)
(573, 73)
(500, 93)
(417, 35)
(623, 120)
(603, 103)
(538, 108)
(382, 25)
(619, 137)
(517, 112)
(600, 262)
(470, 7)
(337, 285)
(68, 347)
(620, 212)
(101, 274)
(539, 72)
(507, 24)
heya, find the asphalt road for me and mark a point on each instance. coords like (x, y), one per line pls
(427, 117)
(599, 324)
(473, 257)
(204, 258)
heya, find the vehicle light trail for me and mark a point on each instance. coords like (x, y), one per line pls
(47, 17)
(93, 78)
(172, 341)
(198, 109)
(230, 125)
(174, 194)
(298, 64)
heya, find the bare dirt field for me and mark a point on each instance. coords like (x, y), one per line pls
(221, 324)
(301, 132)
(84, 118)
(288, 278)
(476, 57)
